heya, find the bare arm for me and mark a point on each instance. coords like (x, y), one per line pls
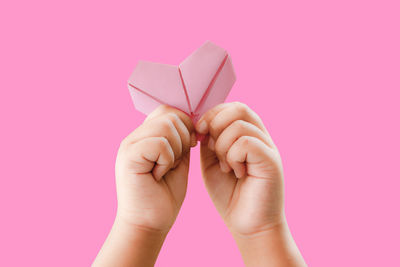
(151, 176)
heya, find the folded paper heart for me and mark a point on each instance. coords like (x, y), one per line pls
(200, 82)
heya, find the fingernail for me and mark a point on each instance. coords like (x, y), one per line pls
(211, 144)
(156, 176)
(224, 167)
(193, 139)
(236, 174)
(201, 127)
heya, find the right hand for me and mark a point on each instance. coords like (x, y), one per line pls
(152, 170)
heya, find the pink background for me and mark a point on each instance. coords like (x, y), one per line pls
(323, 75)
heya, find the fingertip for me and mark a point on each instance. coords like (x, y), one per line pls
(160, 170)
(157, 173)
(201, 126)
(224, 167)
(240, 171)
(236, 173)
(239, 174)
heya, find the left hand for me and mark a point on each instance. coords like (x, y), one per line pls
(242, 169)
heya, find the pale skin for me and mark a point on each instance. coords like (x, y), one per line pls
(242, 172)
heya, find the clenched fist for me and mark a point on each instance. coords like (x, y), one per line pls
(152, 168)
(242, 168)
(242, 171)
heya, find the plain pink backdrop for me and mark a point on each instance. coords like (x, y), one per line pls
(323, 75)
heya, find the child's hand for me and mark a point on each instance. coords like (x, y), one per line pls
(152, 168)
(151, 172)
(243, 174)
(242, 168)
(151, 176)
(242, 171)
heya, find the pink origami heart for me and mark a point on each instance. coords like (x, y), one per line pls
(200, 82)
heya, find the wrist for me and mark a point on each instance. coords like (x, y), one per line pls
(273, 246)
(130, 245)
(137, 233)
(139, 219)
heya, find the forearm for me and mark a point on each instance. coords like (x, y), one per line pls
(130, 246)
(273, 247)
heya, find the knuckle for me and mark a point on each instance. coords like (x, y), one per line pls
(156, 112)
(230, 156)
(244, 140)
(213, 126)
(162, 142)
(219, 148)
(166, 126)
(162, 107)
(239, 125)
(242, 111)
(180, 148)
(241, 106)
(173, 117)
(186, 137)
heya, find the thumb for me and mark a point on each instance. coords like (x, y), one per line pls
(250, 155)
(177, 178)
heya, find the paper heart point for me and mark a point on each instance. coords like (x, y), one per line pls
(200, 82)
